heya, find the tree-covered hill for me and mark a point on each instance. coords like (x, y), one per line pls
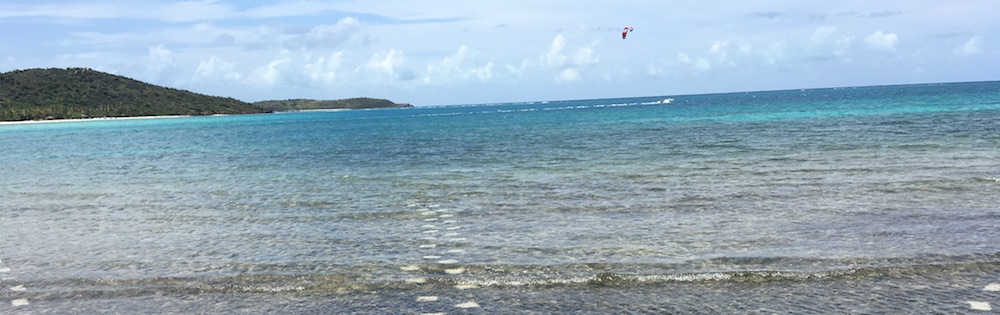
(348, 103)
(83, 93)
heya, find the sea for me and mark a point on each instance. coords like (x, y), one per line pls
(860, 200)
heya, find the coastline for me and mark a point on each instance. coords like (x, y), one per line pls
(68, 120)
(29, 122)
(314, 110)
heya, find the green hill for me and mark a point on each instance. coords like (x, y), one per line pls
(36, 94)
(349, 103)
(81, 93)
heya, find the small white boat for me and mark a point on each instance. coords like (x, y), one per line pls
(667, 101)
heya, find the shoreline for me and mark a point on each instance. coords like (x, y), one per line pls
(68, 120)
(313, 110)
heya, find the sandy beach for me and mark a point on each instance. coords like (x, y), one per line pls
(27, 122)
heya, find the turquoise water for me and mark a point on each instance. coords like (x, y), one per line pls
(871, 199)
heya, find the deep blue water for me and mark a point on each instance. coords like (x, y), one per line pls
(815, 194)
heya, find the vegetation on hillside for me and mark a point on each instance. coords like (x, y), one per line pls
(83, 93)
(349, 103)
(37, 94)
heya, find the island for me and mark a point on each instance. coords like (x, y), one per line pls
(75, 93)
(347, 103)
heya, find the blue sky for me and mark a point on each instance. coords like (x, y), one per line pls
(485, 51)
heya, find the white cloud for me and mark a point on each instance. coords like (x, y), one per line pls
(702, 64)
(159, 53)
(389, 65)
(882, 41)
(570, 74)
(971, 47)
(555, 58)
(719, 47)
(323, 70)
(63, 10)
(825, 38)
(775, 52)
(653, 69)
(720, 52)
(568, 66)
(215, 69)
(179, 11)
(290, 9)
(452, 70)
(273, 73)
(515, 71)
(187, 11)
(585, 57)
(161, 62)
(683, 58)
(331, 35)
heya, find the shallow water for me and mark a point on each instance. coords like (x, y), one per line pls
(872, 199)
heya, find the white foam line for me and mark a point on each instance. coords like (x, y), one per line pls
(427, 299)
(5, 269)
(428, 246)
(453, 227)
(428, 226)
(448, 261)
(469, 304)
(458, 239)
(432, 257)
(446, 215)
(451, 234)
(992, 287)
(456, 251)
(449, 221)
(980, 306)
(454, 271)
(410, 268)
(416, 280)
(431, 231)
(466, 286)
(17, 288)
(19, 302)
(430, 219)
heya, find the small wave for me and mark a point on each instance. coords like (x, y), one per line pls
(988, 179)
(720, 271)
(619, 279)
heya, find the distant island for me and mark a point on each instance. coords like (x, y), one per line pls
(74, 93)
(347, 103)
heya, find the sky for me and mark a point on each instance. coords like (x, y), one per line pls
(432, 52)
